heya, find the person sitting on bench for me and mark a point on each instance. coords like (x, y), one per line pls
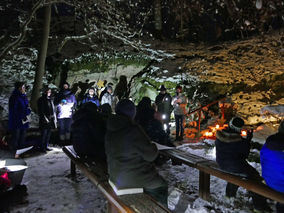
(232, 151)
(272, 162)
(130, 154)
(88, 132)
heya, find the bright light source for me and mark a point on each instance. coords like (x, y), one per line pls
(217, 126)
(164, 116)
(244, 133)
(208, 134)
(165, 126)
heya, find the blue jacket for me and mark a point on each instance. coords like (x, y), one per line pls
(93, 99)
(272, 162)
(18, 110)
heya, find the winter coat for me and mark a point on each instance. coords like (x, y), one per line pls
(18, 110)
(108, 99)
(163, 102)
(46, 112)
(66, 106)
(231, 151)
(93, 99)
(121, 90)
(103, 91)
(130, 155)
(272, 162)
(152, 127)
(179, 108)
(65, 95)
(88, 133)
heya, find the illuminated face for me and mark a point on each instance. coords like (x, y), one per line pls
(65, 86)
(91, 92)
(22, 89)
(48, 92)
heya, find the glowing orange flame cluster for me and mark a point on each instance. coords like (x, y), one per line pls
(211, 132)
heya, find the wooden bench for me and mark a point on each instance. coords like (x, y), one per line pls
(97, 173)
(208, 167)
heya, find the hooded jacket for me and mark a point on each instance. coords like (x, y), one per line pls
(272, 162)
(88, 133)
(130, 155)
(18, 110)
(231, 151)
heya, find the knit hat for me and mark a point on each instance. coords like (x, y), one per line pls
(126, 107)
(281, 127)
(163, 88)
(236, 124)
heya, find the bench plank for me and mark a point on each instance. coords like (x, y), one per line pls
(211, 168)
(97, 173)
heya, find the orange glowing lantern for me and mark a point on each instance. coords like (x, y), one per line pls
(217, 126)
(244, 133)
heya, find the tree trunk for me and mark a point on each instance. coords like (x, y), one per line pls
(158, 17)
(41, 59)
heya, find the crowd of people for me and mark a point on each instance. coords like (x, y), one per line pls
(109, 127)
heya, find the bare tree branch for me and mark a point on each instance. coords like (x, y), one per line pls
(24, 28)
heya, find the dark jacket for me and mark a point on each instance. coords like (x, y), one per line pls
(67, 95)
(231, 151)
(93, 99)
(272, 162)
(130, 155)
(152, 127)
(88, 133)
(18, 110)
(163, 102)
(46, 112)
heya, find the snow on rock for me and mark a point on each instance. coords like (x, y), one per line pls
(276, 111)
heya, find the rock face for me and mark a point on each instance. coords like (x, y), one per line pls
(250, 71)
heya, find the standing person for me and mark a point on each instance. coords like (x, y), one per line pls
(232, 150)
(130, 154)
(91, 97)
(145, 117)
(179, 103)
(163, 102)
(19, 112)
(121, 88)
(65, 108)
(104, 89)
(47, 118)
(108, 98)
(272, 163)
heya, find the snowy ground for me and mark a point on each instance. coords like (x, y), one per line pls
(51, 189)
